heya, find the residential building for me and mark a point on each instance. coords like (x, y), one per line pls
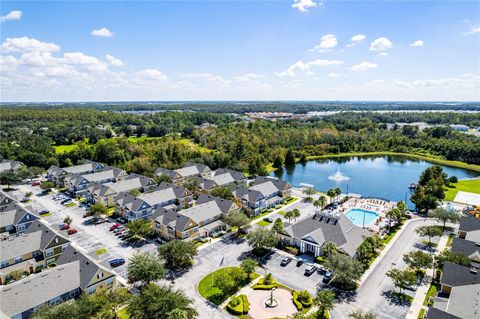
(312, 232)
(264, 185)
(199, 221)
(252, 201)
(56, 174)
(469, 228)
(38, 247)
(15, 219)
(78, 184)
(107, 193)
(469, 248)
(222, 177)
(268, 192)
(166, 195)
(20, 299)
(93, 277)
(5, 200)
(9, 165)
(179, 175)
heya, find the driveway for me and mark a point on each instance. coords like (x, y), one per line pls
(373, 294)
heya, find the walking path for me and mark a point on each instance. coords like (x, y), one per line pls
(417, 304)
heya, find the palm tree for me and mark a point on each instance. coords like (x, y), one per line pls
(296, 213)
(324, 301)
(329, 248)
(323, 201)
(359, 314)
(317, 204)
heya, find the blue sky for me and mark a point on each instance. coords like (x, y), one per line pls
(240, 50)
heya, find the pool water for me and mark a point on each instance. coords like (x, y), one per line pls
(359, 216)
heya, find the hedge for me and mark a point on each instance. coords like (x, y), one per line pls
(238, 305)
(246, 304)
(261, 286)
(299, 304)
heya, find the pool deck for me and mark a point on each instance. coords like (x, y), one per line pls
(377, 206)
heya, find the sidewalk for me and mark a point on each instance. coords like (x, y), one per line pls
(417, 304)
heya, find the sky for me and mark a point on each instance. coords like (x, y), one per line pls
(239, 50)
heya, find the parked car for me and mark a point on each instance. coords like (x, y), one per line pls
(65, 201)
(72, 231)
(121, 220)
(160, 241)
(268, 220)
(64, 226)
(327, 277)
(100, 221)
(118, 229)
(114, 226)
(310, 270)
(86, 215)
(36, 183)
(285, 261)
(43, 212)
(116, 262)
(299, 262)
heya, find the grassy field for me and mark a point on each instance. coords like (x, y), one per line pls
(469, 185)
(101, 251)
(263, 223)
(60, 149)
(122, 314)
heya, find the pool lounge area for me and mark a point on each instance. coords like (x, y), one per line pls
(361, 217)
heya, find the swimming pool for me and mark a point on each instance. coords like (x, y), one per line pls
(359, 216)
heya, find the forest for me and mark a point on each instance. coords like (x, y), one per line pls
(31, 135)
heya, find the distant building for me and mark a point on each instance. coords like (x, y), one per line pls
(56, 174)
(469, 228)
(8, 165)
(178, 176)
(78, 183)
(461, 128)
(15, 219)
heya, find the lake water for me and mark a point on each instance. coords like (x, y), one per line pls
(386, 177)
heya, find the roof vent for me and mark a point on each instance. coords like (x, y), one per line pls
(474, 271)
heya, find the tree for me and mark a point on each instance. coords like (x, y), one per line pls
(368, 249)
(222, 192)
(178, 314)
(402, 278)
(278, 225)
(289, 215)
(418, 259)
(309, 191)
(47, 185)
(9, 178)
(359, 314)
(320, 202)
(134, 192)
(67, 220)
(23, 172)
(177, 253)
(444, 216)
(329, 248)
(347, 271)
(296, 213)
(146, 268)
(163, 178)
(334, 192)
(192, 184)
(324, 300)
(158, 302)
(28, 194)
(278, 161)
(140, 228)
(261, 239)
(248, 265)
(289, 158)
(237, 219)
(105, 302)
(453, 257)
(453, 179)
(430, 232)
(97, 210)
(402, 207)
(430, 189)
(36, 171)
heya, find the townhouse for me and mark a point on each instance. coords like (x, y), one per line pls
(252, 201)
(222, 177)
(199, 221)
(78, 184)
(166, 195)
(179, 175)
(469, 248)
(312, 232)
(9, 165)
(5, 200)
(469, 228)
(56, 174)
(35, 249)
(107, 193)
(15, 219)
(273, 189)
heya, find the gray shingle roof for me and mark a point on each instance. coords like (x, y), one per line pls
(468, 248)
(250, 195)
(6, 165)
(266, 188)
(434, 313)
(12, 214)
(224, 204)
(469, 223)
(37, 289)
(20, 245)
(47, 233)
(279, 184)
(458, 275)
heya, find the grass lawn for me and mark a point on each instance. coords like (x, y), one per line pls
(263, 223)
(122, 314)
(101, 251)
(282, 213)
(470, 185)
(266, 212)
(450, 239)
(60, 149)
(421, 314)
(47, 215)
(71, 204)
(432, 292)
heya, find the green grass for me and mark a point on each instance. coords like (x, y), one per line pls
(266, 212)
(263, 223)
(421, 314)
(450, 239)
(101, 251)
(282, 213)
(71, 204)
(432, 292)
(470, 185)
(142, 138)
(47, 215)
(60, 149)
(123, 314)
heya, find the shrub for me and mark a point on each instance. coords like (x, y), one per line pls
(235, 306)
(292, 250)
(302, 299)
(246, 304)
(266, 283)
(297, 303)
(320, 260)
(268, 279)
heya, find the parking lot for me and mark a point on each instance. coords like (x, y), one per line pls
(292, 275)
(89, 237)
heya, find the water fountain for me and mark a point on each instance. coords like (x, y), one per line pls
(338, 176)
(271, 302)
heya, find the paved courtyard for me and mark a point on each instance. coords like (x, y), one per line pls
(258, 309)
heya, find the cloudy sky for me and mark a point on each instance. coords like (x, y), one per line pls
(240, 50)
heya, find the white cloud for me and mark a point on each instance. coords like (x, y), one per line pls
(304, 5)
(382, 54)
(301, 66)
(113, 60)
(151, 75)
(336, 75)
(327, 42)
(103, 32)
(356, 39)
(196, 75)
(12, 15)
(381, 44)
(364, 66)
(473, 29)
(25, 44)
(248, 77)
(418, 43)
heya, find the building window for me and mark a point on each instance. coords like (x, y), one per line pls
(49, 252)
(4, 263)
(18, 259)
(57, 240)
(100, 275)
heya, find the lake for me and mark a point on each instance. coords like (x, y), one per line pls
(386, 177)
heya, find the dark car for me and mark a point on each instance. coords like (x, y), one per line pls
(299, 262)
(72, 231)
(64, 226)
(160, 241)
(65, 201)
(285, 261)
(268, 220)
(43, 212)
(327, 277)
(36, 183)
(121, 220)
(310, 270)
(116, 262)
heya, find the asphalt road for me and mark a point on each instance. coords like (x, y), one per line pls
(373, 293)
